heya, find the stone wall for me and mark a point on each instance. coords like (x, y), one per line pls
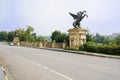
(43, 44)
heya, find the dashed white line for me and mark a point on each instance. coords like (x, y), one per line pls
(46, 68)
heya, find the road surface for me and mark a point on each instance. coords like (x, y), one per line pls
(37, 64)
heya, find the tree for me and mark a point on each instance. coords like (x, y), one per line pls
(89, 37)
(3, 36)
(98, 38)
(29, 30)
(26, 35)
(117, 39)
(61, 38)
(58, 36)
(107, 40)
(29, 36)
(35, 37)
(11, 35)
(55, 35)
(41, 39)
(21, 34)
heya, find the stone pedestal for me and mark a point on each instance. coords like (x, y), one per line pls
(77, 37)
(16, 41)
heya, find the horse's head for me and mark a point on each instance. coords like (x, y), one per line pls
(84, 11)
(86, 15)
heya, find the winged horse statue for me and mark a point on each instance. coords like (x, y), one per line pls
(78, 18)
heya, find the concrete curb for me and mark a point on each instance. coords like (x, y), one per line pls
(83, 53)
(3, 70)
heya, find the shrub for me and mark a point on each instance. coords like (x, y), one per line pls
(89, 46)
(112, 49)
(92, 48)
(81, 48)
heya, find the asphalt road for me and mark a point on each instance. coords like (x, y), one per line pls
(37, 64)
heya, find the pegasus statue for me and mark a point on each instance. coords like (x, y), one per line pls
(78, 18)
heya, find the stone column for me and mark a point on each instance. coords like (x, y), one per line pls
(53, 44)
(64, 44)
(45, 44)
(40, 44)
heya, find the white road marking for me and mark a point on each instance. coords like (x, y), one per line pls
(66, 77)
(46, 68)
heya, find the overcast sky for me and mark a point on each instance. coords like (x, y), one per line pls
(45, 16)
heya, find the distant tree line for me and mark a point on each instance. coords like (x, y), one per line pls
(24, 35)
(97, 38)
(30, 36)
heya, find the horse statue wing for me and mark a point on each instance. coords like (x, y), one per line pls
(73, 15)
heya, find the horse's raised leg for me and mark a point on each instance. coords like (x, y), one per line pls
(74, 24)
(79, 25)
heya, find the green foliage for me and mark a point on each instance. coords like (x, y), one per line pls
(55, 35)
(35, 37)
(117, 39)
(112, 49)
(89, 46)
(26, 35)
(11, 35)
(103, 39)
(92, 48)
(58, 36)
(41, 39)
(107, 40)
(98, 38)
(29, 30)
(3, 36)
(89, 37)
(21, 34)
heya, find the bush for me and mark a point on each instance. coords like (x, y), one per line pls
(112, 49)
(81, 48)
(92, 48)
(89, 46)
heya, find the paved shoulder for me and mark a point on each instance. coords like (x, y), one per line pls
(3, 75)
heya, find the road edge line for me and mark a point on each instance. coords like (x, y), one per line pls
(3, 69)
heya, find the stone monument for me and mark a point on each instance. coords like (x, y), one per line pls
(77, 35)
(16, 41)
